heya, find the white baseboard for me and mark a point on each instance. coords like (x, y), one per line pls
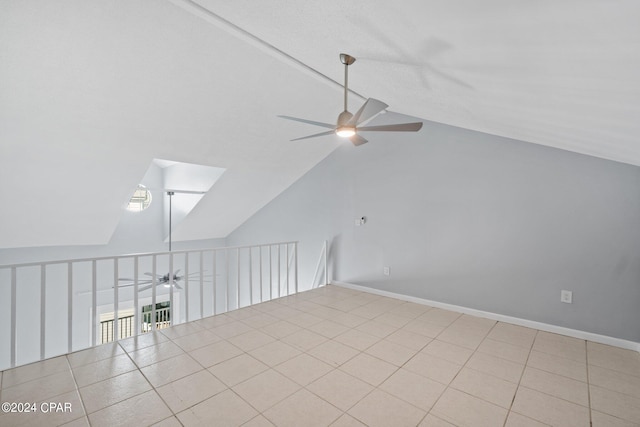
(602, 339)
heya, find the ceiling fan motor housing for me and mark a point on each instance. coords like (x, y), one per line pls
(344, 118)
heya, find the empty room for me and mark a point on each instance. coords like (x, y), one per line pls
(300, 214)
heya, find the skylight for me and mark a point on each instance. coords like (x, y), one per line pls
(140, 200)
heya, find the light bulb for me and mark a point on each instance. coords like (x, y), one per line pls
(346, 131)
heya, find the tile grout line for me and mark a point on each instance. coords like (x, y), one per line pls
(586, 355)
(521, 375)
(75, 382)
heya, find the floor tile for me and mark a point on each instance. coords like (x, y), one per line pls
(103, 369)
(274, 353)
(357, 339)
(302, 408)
(598, 419)
(451, 352)
(143, 409)
(172, 369)
(215, 353)
(614, 380)
(108, 392)
(614, 358)
(369, 369)
(32, 371)
(377, 329)
(486, 387)
(513, 334)
(409, 339)
(504, 350)
(154, 354)
(196, 340)
(305, 320)
(559, 345)
(413, 388)
(393, 319)
(464, 410)
(223, 409)
(558, 365)
(349, 320)
(328, 329)
(548, 409)
(303, 369)
(333, 352)
(556, 385)
(433, 367)
(211, 322)
(266, 389)
(433, 421)
(40, 389)
(516, 420)
(463, 337)
(501, 368)
(94, 354)
(424, 328)
(168, 422)
(142, 341)
(617, 404)
(340, 389)
(251, 340)
(280, 329)
(231, 329)
(260, 320)
(181, 330)
(347, 420)
(304, 340)
(190, 390)
(439, 316)
(237, 369)
(393, 353)
(259, 421)
(380, 409)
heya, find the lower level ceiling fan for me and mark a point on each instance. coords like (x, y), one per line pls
(349, 125)
(159, 279)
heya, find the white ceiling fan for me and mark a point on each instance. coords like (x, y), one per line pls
(348, 125)
(160, 279)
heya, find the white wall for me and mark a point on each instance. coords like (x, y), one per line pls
(474, 220)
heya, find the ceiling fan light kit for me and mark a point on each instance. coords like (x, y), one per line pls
(348, 125)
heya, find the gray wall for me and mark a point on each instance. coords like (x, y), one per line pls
(474, 220)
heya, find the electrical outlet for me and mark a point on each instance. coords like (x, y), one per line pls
(566, 297)
(386, 271)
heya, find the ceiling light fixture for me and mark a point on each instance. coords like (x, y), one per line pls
(346, 131)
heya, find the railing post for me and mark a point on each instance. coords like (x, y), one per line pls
(260, 249)
(279, 265)
(286, 253)
(270, 275)
(326, 270)
(226, 307)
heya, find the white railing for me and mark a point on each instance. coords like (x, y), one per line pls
(66, 297)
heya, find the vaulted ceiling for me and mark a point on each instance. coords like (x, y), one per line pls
(92, 91)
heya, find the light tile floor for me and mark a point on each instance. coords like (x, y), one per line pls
(337, 357)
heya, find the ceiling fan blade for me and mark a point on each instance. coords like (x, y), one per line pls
(125, 279)
(357, 140)
(370, 108)
(400, 127)
(144, 282)
(177, 286)
(311, 122)
(329, 132)
(153, 274)
(144, 288)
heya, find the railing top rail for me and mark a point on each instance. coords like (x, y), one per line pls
(142, 254)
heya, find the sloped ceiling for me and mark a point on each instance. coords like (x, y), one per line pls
(92, 91)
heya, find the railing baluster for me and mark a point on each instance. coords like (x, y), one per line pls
(250, 277)
(43, 308)
(279, 266)
(186, 287)
(14, 310)
(94, 301)
(260, 249)
(116, 299)
(69, 307)
(201, 285)
(172, 319)
(295, 249)
(136, 302)
(288, 265)
(215, 279)
(238, 279)
(270, 275)
(154, 268)
(226, 307)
